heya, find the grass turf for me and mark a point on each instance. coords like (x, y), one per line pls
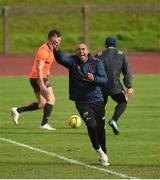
(135, 31)
(135, 152)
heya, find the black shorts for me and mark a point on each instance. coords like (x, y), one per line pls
(119, 98)
(35, 85)
(91, 113)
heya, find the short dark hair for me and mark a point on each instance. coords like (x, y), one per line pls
(53, 33)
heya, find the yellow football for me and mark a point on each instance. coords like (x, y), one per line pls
(75, 121)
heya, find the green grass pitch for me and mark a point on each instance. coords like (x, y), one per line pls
(135, 152)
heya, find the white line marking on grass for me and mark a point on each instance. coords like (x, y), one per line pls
(72, 161)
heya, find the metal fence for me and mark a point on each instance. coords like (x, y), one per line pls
(5, 12)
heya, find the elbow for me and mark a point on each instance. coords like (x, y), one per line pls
(105, 81)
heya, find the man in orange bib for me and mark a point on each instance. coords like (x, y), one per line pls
(38, 80)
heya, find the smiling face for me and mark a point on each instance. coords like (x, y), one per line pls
(54, 41)
(82, 52)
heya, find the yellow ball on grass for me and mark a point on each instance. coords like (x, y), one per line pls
(75, 121)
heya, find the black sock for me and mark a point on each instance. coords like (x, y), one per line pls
(120, 108)
(93, 134)
(31, 107)
(47, 112)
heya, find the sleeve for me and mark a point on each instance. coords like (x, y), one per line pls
(62, 59)
(100, 76)
(127, 80)
(42, 55)
(98, 55)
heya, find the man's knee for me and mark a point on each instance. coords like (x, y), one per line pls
(124, 104)
(91, 123)
(51, 100)
(41, 105)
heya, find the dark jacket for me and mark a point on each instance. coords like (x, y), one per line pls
(115, 62)
(80, 89)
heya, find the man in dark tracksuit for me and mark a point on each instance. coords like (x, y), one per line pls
(86, 75)
(115, 62)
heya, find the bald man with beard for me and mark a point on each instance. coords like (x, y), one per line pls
(86, 76)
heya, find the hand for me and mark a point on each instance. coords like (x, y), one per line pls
(90, 77)
(130, 92)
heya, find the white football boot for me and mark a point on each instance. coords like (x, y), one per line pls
(48, 127)
(15, 115)
(103, 158)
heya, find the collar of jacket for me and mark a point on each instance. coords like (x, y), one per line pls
(110, 47)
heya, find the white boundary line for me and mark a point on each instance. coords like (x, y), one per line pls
(72, 161)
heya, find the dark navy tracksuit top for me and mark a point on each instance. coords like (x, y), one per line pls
(79, 88)
(115, 62)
